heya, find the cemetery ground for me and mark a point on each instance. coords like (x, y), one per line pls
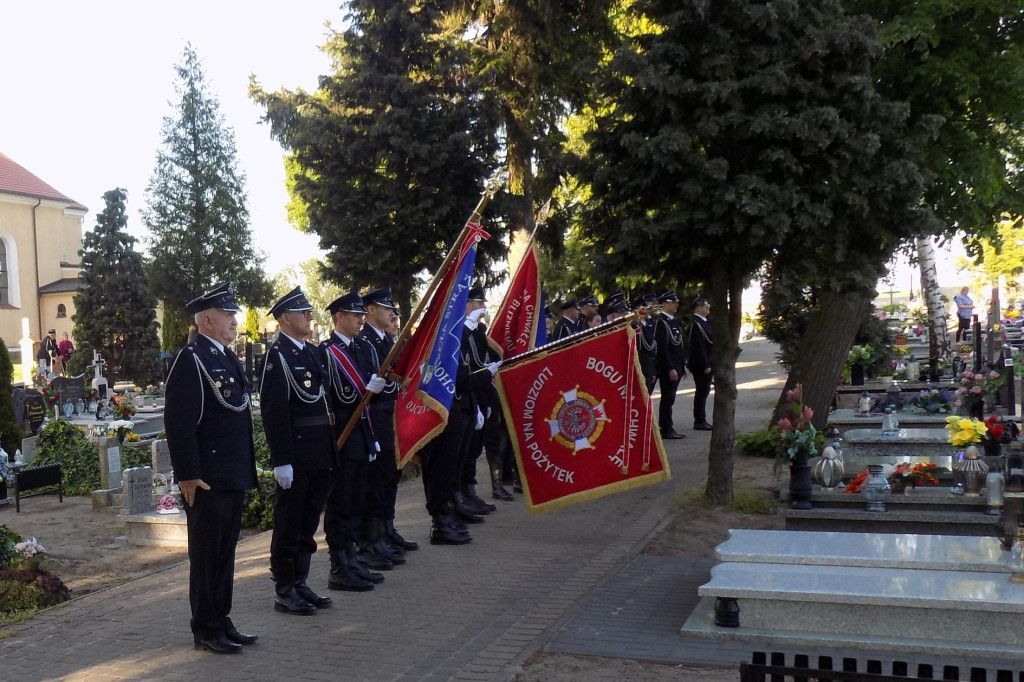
(83, 549)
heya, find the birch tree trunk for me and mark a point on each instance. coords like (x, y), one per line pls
(938, 332)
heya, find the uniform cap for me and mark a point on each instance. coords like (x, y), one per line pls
(380, 296)
(570, 304)
(698, 301)
(589, 300)
(668, 296)
(293, 302)
(349, 303)
(476, 293)
(221, 297)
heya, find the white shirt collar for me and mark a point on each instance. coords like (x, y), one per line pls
(380, 332)
(700, 316)
(215, 342)
(300, 344)
(344, 339)
(668, 315)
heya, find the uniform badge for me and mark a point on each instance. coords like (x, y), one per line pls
(217, 383)
(227, 392)
(213, 351)
(307, 383)
(231, 379)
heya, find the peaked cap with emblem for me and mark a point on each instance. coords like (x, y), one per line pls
(221, 297)
(380, 296)
(589, 300)
(293, 302)
(476, 293)
(617, 308)
(351, 302)
(668, 296)
(570, 304)
(700, 300)
(615, 297)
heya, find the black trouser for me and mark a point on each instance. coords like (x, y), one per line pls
(440, 459)
(214, 522)
(963, 326)
(383, 473)
(346, 502)
(668, 401)
(297, 514)
(700, 396)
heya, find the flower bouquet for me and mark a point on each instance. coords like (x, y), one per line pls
(965, 431)
(50, 395)
(795, 433)
(121, 428)
(936, 401)
(122, 408)
(976, 387)
(905, 474)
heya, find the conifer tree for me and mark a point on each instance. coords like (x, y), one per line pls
(195, 208)
(10, 431)
(115, 314)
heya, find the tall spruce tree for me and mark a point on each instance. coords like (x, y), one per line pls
(115, 314)
(739, 132)
(10, 431)
(195, 208)
(388, 156)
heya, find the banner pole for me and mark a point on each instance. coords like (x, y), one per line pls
(494, 183)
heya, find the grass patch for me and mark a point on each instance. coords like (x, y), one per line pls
(745, 500)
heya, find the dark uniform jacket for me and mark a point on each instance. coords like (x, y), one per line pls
(296, 407)
(647, 347)
(208, 421)
(700, 341)
(563, 328)
(48, 349)
(478, 354)
(361, 443)
(382, 405)
(668, 334)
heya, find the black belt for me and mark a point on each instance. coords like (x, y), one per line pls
(325, 420)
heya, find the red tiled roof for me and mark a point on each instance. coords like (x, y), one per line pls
(14, 179)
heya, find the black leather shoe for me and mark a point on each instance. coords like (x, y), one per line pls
(671, 435)
(466, 515)
(702, 427)
(393, 554)
(372, 560)
(240, 637)
(290, 602)
(218, 645)
(312, 597)
(474, 507)
(399, 541)
(499, 492)
(487, 506)
(517, 487)
(445, 535)
(348, 582)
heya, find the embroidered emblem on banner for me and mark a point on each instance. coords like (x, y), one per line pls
(577, 420)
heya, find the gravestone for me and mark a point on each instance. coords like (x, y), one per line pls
(29, 449)
(110, 463)
(71, 389)
(161, 457)
(137, 490)
(18, 399)
(35, 409)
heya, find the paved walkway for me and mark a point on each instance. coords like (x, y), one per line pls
(465, 613)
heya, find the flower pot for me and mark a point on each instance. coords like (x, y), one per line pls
(800, 488)
(857, 375)
(898, 487)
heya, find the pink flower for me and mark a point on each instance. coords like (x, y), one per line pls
(793, 396)
(976, 390)
(965, 381)
(807, 414)
(967, 374)
(786, 425)
(993, 375)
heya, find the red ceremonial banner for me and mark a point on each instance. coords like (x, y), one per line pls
(514, 329)
(581, 422)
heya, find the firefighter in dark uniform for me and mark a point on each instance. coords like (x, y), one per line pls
(348, 359)
(384, 472)
(493, 436)
(668, 334)
(441, 459)
(588, 306)
(647, 346)
(567, 324)
(298, 421)
(700, 342)
(209, 433)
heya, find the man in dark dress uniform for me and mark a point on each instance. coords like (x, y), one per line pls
(441, 459)
(350, 367)
(567, 324)
(588, 306)
(700, 341)
(384, 472)
(668, 334)
(298, 421)
(647, 346)
(209, 433)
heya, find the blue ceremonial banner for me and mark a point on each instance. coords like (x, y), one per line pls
(542, 326)
(438, 381)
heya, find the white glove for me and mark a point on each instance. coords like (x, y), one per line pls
(488, 415)
(479, 419)
(284, 476)
(493, 367)
(375, 384)
(474, 317)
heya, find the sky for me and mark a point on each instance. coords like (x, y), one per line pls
(85, 87)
